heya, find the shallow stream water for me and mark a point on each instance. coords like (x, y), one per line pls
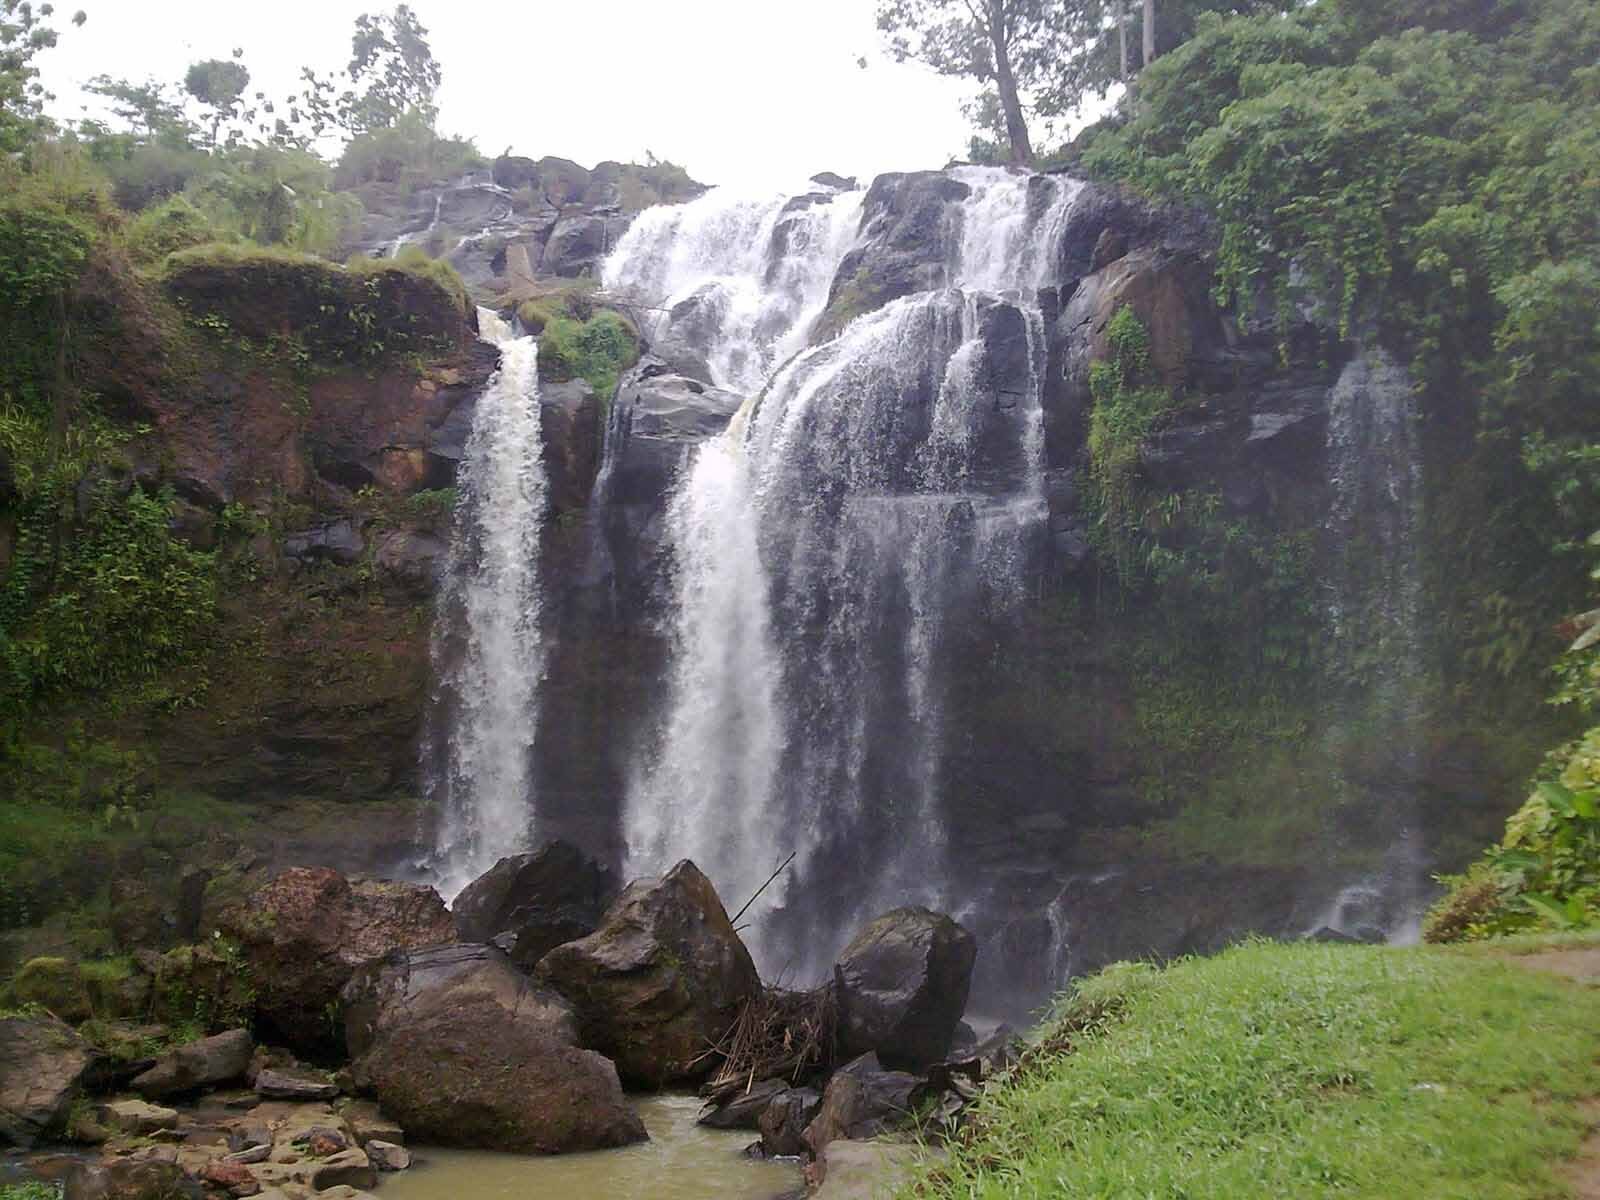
(681, 1161)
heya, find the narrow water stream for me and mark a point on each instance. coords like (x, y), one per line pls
(681, 1161)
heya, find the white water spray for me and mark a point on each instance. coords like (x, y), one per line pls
(488, 654)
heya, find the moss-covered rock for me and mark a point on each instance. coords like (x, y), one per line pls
(54, 985)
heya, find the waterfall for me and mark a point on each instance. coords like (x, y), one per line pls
(744, 275)
(876, 496)
(487, 651)
(1374, 613)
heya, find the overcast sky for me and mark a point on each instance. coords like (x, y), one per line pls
(738, 91)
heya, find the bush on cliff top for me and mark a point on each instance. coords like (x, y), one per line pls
(1291, 1070)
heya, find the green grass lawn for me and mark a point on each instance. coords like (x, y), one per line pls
(1294, 1071)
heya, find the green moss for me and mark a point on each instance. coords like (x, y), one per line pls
(52, 984)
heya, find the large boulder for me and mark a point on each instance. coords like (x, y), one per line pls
(743, 1110)
(195, 1065)
(579, 242)
(407, 985)
(307, 931)
(43, 1064)
(784, 1120)
(660, 981)
(862, 1100)
(531, 903)
(902, 985)
(126, 1179)
(476, 1074)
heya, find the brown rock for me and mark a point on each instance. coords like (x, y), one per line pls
(409, 984)
(902, 984)
(306, 933)
(42, 1068)
(232, 1176)
(127, 1180)
(661, 979)
(187, 1068)
(477, 1075)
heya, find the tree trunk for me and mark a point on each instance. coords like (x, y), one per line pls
(1016, 127)
(1122, 37)
(1149, 31)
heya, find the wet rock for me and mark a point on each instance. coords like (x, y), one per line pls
(659, 416)
(305, 934)
(274, 1084)
(554, 895)
(743, 1111)
(136, 1116)
(126, 1180)
(854, 1170)
(43, 1064)
(212, 1060)
(571, 425)
(863, 1099)
(337, 542)
(902, 986)
(478, 1075)
(661, 979)
(783, 1122)
(387, 1156)
(407, 985)
(579, 242)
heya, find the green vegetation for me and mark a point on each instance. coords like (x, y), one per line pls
(33, 1190)
(578, 340)
(1305, 1070)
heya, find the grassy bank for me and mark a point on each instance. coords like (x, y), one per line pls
(1305, 1070)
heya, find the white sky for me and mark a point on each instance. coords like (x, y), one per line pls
(738, 91)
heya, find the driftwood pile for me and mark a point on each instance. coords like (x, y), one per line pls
(780, 1034)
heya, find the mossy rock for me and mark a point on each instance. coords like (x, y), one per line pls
(55, 985)
(367, 311)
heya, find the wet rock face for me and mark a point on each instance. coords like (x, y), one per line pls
(662, 978)
(43, 1065)
(478, 1075)
(902, 985)
(862, 1100)
(305, 934)
(536, 901)
(407, 985)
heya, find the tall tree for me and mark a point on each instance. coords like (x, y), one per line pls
(1149, 31)
(218, 84)
(392, 72)
(1003, 42)
(23, 33)
(150, 112)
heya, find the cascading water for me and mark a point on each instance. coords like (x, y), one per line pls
(879, 493)
(744, 276)
(487, 649)
(1374, 610)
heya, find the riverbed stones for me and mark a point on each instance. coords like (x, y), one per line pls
(476, 1074)
(902, 985)
(204, 1063)
(43, 1064)
(660, 981)
(555, 894)
(124, 1180)
(407, 985)
(136, 1117)
(307, 931)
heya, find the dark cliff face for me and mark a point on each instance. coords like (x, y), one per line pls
(1153, 756)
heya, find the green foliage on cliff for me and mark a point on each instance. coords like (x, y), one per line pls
(1307, 1071)
(577, 340)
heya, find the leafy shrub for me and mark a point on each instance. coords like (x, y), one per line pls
(597, 350)
(172, 225)
(409, 152)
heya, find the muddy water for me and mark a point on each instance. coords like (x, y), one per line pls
(681, 1161)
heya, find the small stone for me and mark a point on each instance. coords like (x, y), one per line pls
(321, 1141)
(387, 1156)
(251, 1154)
(232, 1176)
(368, 1122)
